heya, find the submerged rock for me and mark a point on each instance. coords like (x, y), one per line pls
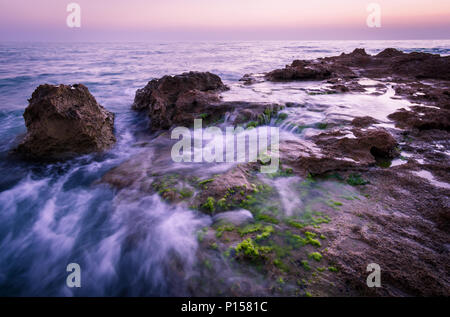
(63, 121)
(179, 99)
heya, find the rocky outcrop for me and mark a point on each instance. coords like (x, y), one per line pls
(389, 62)
(422, 118)
(363, 122)
(337, 151)
(300, 70)
(63, 121)
(385, 210)
(177, 100)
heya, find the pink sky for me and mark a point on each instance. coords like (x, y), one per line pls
(223, 19)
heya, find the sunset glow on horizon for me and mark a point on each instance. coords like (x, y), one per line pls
(232, 19)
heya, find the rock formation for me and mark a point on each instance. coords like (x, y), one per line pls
(63, 121)
(179, 99)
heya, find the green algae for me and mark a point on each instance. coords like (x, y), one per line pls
(281, 265)
(356, 180)
(224, 228)
(316, 256)
(249, 249)
(306, 265)
(332, 269)
(209, 205)
(266, 233)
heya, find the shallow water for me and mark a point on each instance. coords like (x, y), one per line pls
(54, 214)
(429, 177)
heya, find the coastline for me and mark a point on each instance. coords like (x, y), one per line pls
(350, 191)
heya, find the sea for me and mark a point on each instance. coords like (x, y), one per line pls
(54, 214)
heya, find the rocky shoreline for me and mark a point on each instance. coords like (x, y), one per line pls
(358, 207)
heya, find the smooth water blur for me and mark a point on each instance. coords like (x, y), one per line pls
(55, 214)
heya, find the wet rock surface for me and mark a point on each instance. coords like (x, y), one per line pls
(363, 122)
(348, 193)
(178, 100)
(63, 121)
(337, 150)
(403, 228)
(389, 62)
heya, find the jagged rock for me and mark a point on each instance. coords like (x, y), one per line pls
(390, 52)
(389, 62)
(179, 99)
(337, 151)
(363, 122)
(63, 121)
(423, 118)
(300, 70)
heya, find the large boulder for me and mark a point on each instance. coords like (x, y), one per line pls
(63, 121)
(179, 99)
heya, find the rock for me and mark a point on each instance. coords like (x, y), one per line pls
(389, 62)
(177, 100)
(339, 85)
(247, 79)
(389, 52)
(300, 70)
(340, 88)
(236, 179)
(364, 147)
(237, 217)
(422, 118)
(363, 122)
(435, 94)
(394, 63)
(358, 52)
(337, 151)
(63, 121)
(242, 112)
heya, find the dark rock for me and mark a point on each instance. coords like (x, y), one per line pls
(63, 121)
(247, 79)
(340, 88)
(389, 62)
(300, 70)
(178, 99)
(336, 151)
(390, 52)
(364, 147)
(422, 118)
(363, 122)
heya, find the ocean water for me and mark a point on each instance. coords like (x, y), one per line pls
(55, 214)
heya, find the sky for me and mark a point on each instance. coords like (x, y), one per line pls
(148, 20)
